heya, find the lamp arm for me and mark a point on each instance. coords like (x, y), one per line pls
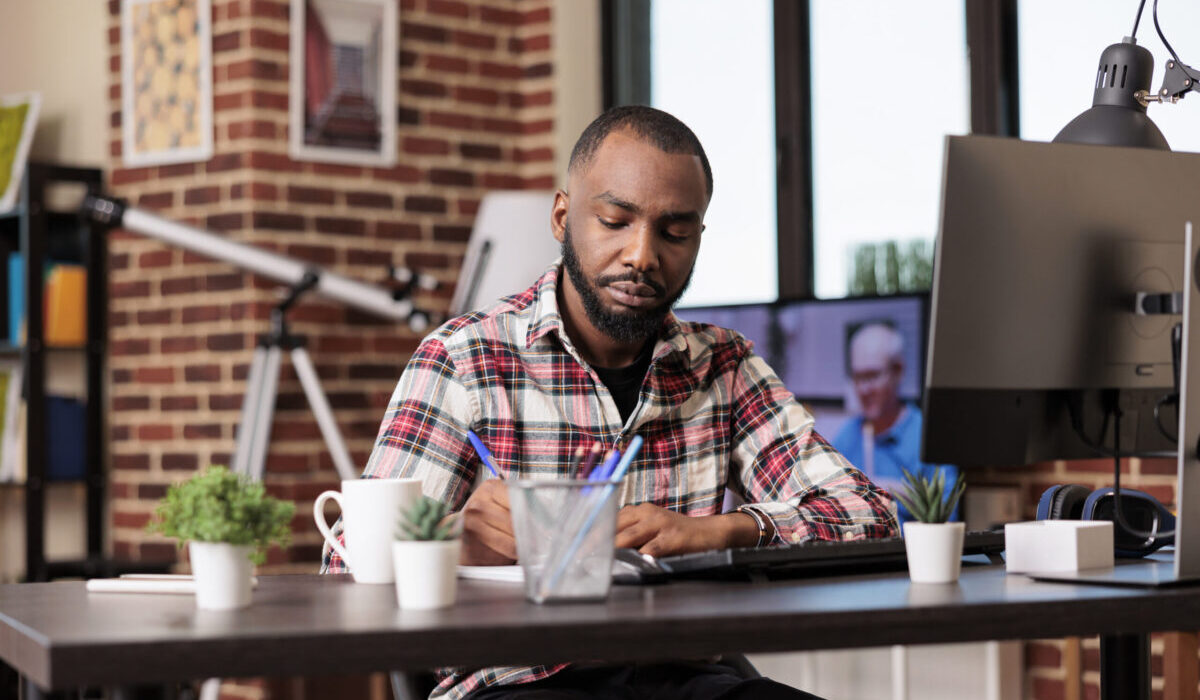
(1178, 80)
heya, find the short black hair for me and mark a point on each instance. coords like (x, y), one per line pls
(662, 130)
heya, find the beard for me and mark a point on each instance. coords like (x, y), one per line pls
(626, 326)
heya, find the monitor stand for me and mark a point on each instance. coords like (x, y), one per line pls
(1184, 568)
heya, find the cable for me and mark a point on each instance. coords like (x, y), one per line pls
(1100, 449)
(1137, 20)
(1120, 517)
(1157, 28)
(1166, 398)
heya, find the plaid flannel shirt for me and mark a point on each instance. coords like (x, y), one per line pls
(712, 413)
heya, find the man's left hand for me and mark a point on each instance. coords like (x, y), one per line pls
(660, 532)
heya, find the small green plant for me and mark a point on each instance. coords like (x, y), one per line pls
(425, 521)
(928, 499)
(217, 505)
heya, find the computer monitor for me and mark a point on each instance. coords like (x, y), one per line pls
(1043, 249)
(807, 343)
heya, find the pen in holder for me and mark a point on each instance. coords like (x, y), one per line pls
(595, 505)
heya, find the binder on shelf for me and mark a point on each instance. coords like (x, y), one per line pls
(16, 298)
(66, 306)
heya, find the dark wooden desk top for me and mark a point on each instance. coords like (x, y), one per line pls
(60, 636)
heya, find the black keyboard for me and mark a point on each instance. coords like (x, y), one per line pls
(811, 559)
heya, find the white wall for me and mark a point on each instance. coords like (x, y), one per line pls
(58, 48)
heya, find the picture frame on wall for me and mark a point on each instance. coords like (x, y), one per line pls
(18, 120)
(166, 81)
(342, 96)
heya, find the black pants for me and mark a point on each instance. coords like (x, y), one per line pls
(671, 681)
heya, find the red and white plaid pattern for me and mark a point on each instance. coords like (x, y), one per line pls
(712, 413)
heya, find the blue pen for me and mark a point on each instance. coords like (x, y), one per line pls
(484, 453)
(601, 472)
(561, 562)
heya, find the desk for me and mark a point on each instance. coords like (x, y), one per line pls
(59, 636)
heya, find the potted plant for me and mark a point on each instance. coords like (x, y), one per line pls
(228, 522)
(425, 554)
(933, 546)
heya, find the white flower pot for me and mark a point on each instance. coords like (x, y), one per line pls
(934, 551)
(426, 573)
(223, 573)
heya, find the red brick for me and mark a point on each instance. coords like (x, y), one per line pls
(114, 36)
(457, 234)
(398, 231)
(257, 69)
(221, 342)
(277, 162)
(175, 461)
(425, 146)
(126, 176)
(502, 126)
(118, 261)
(202, 431)
(158, 552)
(474, 40)
(131, 403)
(400, 173)
(277, 222)
(412, 31)
(225, 282)
(284, 463)
(155, 258)
(126, 290)
(426, 260)
(395, 345)
(268, 9)
(319, 254)
(1042, 654)
(131, 462)
(155, 431)
(269, 100)
(334, 169)
(545, 182)
(482, 96)
(340, 225)
(506, 71)
(129, 346)
(336, 344)
(226, 41)
(225, 222)
(257, 129)
(176, 170)
(495, 15)
(479, 151)
(154, 375)
(179, 285)
(447, 64)
(1095, 466)
(223, 162)
(151, 492)
(452, 178)
(184, 344)
(179, 403)
(1047, 689)
(375, 371)
(202, 373)
(543, 98)
(229, 100)
(154, 317)
(127, 519)
(541, 126)
(450, 8)
(309, 195)
(417, 203)
(262, 38)
(538, 16)
(375, 200)
(156, 200)
(423, 88)
(408, 59)
(501, 181)
(291, 430)
(202, 195)
(407, 115)
(538, 70)
(452, 120)
(1152, 465)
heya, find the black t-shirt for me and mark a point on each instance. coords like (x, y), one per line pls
(625, 383)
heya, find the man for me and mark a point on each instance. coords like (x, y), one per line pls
(886, 438)
(591, 352)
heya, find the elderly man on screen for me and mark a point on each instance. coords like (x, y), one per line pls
(886, 438)
(591, 352)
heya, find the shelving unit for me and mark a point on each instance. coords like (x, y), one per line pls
(38, 233)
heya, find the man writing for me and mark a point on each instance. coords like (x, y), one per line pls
(591, 352)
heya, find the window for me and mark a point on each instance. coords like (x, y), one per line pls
(1059, 50)
(712, 65)
(889, 81)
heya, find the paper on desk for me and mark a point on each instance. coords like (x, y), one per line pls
(174, 584)
(510, 574)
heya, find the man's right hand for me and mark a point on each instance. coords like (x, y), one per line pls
(487, 538)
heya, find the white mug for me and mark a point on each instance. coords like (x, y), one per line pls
(370, 512)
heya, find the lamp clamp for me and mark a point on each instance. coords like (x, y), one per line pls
(1178, 80)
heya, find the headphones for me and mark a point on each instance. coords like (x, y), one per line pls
(1141, 510)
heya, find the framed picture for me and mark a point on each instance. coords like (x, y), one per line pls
(343, 81)
(18, 118)
(166, 81)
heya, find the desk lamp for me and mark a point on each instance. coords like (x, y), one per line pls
(1122, 93)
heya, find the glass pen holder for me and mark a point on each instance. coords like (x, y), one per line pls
(565, 531)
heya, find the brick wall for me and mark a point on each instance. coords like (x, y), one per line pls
(474, 112)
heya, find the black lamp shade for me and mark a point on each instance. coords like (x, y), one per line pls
(1116, 118)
